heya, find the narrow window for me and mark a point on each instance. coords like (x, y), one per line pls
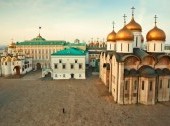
(168, 83)
(110, 46)
(55, 66)
(76, 61)
(72, 66)
(150, 85)
(80, 66)
(143, 85)
(126, 85)
(154, 46)
(5, 63)
(60, 61)
(135, 84)
(160, 84)
(121, 46)
(136, 41)
(64, 66)
(128, 47)
(63, 75)
(161, 46)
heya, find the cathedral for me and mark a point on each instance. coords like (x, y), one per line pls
(14, 62)
(132, 72)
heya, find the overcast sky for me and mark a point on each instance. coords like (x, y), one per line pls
(82, 19)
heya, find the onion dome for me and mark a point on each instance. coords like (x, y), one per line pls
(134, 26)
(124, 34)
(156, 34)
(8, 59)
(13, 59)
(111, 37)
(12, 45)
(3, 59)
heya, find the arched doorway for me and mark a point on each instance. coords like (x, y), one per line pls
(48, 74)
(38, 66)
(17, 69)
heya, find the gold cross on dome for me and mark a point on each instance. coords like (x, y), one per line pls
(124, 19)
(155, 19)
(133, 9)
(113, 24)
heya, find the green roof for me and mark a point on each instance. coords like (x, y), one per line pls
(41, 41)
(32, 42)
(70, 52)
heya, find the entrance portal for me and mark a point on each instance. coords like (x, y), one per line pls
(17, 68)
(38, 66)
(48, 75)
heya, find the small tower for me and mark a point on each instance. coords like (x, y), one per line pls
(12, 48)
(155, 39)
(137, 31)
(124, 39)
(111, 40)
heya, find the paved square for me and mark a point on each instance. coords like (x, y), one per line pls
(30, 101)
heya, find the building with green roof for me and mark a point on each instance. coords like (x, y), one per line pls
(41, 49)
(69, 63)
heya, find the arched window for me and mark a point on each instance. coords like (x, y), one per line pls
(136, 41)
(121, 46)
(154, 46)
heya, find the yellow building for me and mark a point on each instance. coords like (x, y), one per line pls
(41, 49)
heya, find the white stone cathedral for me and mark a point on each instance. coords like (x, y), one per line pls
(132, 73)
(15, 62)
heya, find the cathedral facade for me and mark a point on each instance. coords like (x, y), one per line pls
(133, 73)
(15, 62)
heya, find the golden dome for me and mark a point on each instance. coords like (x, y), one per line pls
(111, 37)
(12, 45)
(134, 26)
(13, 59)
(156, 34)
(8, 59)
(124, 34)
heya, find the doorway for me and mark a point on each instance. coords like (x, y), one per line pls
(72, 76)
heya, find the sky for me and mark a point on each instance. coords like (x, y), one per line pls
(77, 19)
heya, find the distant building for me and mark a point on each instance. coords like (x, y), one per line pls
(67, 64)
(94, 51)
(15, 62)
(132, 73)
(41, 49)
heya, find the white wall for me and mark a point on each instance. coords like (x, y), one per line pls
(155, 46)
(122, 47)
(111, 46)
(61, 73)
